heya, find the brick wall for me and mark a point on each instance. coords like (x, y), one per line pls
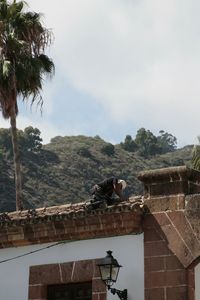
(171, 232)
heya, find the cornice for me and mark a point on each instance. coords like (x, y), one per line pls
(69, 222)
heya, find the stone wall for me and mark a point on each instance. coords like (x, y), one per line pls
(171, 232)
(69, 222)
(72, 272)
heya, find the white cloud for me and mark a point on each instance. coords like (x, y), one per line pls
(139, 59)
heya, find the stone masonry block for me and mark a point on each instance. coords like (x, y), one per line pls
(45, 274)
(165, 279)
(155, 294)
(83, 267)
(176, 293)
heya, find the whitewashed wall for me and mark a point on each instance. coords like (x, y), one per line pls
(197, 282)
(128, 250)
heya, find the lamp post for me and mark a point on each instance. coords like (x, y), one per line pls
(109, 269)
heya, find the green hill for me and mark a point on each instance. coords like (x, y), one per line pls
(65, 170)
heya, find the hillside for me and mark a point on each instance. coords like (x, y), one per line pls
(65, 170)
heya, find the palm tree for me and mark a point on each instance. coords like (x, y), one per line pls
(23, 65)
(195, 161)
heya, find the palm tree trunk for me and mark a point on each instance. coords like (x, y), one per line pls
(17, 165)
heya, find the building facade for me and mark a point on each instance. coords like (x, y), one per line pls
(52, 253)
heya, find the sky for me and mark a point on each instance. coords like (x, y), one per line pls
(120, 65)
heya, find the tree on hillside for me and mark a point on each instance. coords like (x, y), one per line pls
(129, 144)
(108, 149)
(5, 141)
(32, 139)
(166, 142)
(146, 142)
(29, 140)
(23, 64)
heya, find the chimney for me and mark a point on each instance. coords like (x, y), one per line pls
(170, 181)
(172, 218)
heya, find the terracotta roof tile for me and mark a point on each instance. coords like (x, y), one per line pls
(67, 211)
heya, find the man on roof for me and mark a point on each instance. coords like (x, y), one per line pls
(104, 192)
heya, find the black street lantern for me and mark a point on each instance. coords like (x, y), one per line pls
(109, 269)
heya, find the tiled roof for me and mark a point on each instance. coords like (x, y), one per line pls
(70, 222)
(67, 211)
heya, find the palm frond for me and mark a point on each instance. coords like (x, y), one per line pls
(6, 69)
(15, 8)
(23, 63)
(47, 64)
(195, 161)
(3, 10)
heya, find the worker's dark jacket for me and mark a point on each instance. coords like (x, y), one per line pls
(105, 187)
(103, 191)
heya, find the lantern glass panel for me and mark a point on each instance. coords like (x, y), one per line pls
(105, 272)
(115, 271)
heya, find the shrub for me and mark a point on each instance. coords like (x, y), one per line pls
(108, 149)
(85, 152)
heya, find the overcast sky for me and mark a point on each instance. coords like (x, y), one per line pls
(120, 65)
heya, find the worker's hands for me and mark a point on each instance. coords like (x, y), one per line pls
(118, 189)
(122, 199)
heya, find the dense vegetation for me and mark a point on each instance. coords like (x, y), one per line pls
(146, 144)
(65, 170)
